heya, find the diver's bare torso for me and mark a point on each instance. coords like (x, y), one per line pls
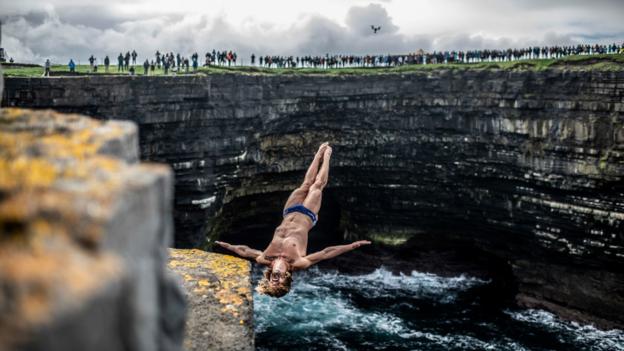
(290, 241)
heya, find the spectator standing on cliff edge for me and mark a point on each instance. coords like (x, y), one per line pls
(195, 61)
(120, 60)
(166, 67)
(287, 252)
(46, 72)
(106, 63)
(92, 61)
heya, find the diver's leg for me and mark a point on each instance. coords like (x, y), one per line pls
(315, 194)
(299, 194)
(296, 197)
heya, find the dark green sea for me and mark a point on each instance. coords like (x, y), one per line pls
(418, 311)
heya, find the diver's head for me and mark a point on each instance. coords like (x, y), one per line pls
(276, 280)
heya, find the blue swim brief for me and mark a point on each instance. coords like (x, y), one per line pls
(301, 209)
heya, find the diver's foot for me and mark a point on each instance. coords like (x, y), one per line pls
(323, 146)
(321, 150)
(327, 154)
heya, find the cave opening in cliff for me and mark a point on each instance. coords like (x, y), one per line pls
(251, 220)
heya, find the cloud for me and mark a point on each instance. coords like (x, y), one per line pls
(33, 33)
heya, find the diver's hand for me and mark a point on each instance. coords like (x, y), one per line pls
(359, 243)
(224, 245)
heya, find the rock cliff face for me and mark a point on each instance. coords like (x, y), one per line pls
(526, 166)
(84, 230)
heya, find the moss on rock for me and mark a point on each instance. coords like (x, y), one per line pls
(220, 300)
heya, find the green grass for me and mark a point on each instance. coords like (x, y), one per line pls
(63, 70)
(594, 62)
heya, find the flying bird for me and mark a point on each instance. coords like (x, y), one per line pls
(375, 29)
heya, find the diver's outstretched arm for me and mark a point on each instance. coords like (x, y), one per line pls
(327, 253)
(241, 250)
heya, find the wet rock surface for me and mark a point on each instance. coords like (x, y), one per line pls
(218, 288)
(525, 166)
(84, 235)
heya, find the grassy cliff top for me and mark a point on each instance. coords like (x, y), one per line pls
(613, 62)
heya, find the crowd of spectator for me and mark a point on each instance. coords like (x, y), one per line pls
(168, 62)
(221, 58)
(177, 63)
(440, 57)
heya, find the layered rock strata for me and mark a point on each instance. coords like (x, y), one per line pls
(84, 235)
(218, 288)
(523, 165)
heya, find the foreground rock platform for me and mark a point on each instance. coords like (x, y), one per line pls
(84, 231)
(218, 289)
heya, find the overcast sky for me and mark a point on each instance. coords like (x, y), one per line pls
(34, 30)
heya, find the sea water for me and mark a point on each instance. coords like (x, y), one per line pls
(326, 310)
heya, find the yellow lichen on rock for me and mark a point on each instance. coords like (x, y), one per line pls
(228, 277)
(38, 148)
(219, 290)
(25, 172)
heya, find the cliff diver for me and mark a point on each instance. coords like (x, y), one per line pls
(287, 252)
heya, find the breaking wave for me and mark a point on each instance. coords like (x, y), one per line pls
(586, 336)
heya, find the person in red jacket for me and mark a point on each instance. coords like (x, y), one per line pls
(287, 252)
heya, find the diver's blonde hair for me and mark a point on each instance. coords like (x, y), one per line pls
(275, 291)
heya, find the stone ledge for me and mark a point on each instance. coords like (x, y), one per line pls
(220, 300)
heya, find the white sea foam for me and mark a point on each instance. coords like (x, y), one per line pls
(319, 303)
(600, 340)
(330, 311)
(302, 312)
(463, 342)
(383, 283)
